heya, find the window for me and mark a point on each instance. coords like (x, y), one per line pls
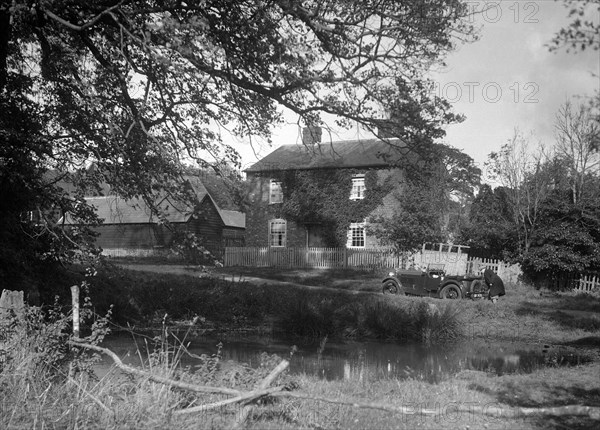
(356, 235)
(277, 232)
(275, 192)
(358, 187)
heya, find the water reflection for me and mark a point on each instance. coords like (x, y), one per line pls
(362, 361)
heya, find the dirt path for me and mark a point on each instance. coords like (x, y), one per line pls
(180, 269)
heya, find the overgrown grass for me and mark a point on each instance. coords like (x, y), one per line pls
(44, 383)
(371, 317)
(36, 392)
(145, 298)
(34, 396)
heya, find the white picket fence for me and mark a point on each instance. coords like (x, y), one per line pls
(302, 258)
(508, 272)
(587, 283)
(454, 260)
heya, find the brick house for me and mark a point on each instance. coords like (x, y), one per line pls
(365, 167)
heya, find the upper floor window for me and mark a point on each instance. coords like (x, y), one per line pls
(277, 232)
(358, 187)
(275, 192)
(356, 235)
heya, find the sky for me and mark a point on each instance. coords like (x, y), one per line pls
(507, 79)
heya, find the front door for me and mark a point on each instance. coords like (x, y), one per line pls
(314, 236)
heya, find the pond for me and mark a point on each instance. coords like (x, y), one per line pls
(364, 360)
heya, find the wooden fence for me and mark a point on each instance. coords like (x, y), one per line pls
(302, 258)
(326, 258)
(508, 272)
(587, 282)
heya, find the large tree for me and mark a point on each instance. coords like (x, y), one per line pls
(437, 185)
(141, 87)
(577, 130)
(520, 169)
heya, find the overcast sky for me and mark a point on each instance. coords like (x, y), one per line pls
(507, 79)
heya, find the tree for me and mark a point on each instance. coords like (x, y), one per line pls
(416, 220)
(438, 181)
(553, 201)
(584, 29)
(577, 132)
(521, 172)
(454, 177)
(490, 231)
(141, 88)
(568, 240)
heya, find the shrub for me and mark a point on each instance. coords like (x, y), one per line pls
(404, 321)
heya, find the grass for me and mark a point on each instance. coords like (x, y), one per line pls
(344, 279)
(36, 393)
(143, 299)
(238, 303)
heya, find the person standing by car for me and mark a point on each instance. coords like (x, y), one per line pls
(494, 283)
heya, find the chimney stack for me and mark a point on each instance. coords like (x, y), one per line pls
(311, 135)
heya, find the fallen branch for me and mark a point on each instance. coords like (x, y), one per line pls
(263, 385)
(251, 396)
(573, 410)
(163, 380)
(262, 390)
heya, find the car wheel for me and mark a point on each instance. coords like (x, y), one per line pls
(450, 292)
(391, 287)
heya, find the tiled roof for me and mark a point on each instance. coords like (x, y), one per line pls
(340, 154)
(115, 210)
(233, 218)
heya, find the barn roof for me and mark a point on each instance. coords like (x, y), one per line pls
(341, 154)
(115, 210)
(233, 218)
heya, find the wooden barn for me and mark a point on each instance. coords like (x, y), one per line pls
(130, 228)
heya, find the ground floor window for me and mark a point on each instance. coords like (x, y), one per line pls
(277, 232)
(356, 235)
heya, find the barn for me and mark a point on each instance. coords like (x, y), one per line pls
(130, 228)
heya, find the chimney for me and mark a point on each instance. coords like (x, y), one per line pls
(311, 135)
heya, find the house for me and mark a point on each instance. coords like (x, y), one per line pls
(130, 227)
(323, 194)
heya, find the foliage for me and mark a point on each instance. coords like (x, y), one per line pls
(527, 180)
(438, 181)
(189, 247)
(321, 197)
(372, 318)
(546, 211)
(490, 231)
(583, 32)
(577, 130)
(417, 220)
(46, 382)
(141, 88)
(35, 346)
(569, 243)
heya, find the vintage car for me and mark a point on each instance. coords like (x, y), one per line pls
(433, 282)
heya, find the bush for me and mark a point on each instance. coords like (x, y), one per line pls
(42, 383)
(376, 318)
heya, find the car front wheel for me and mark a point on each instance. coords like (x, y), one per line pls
(391, 287)
(450, 292)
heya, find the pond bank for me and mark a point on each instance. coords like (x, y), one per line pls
(523, 317)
